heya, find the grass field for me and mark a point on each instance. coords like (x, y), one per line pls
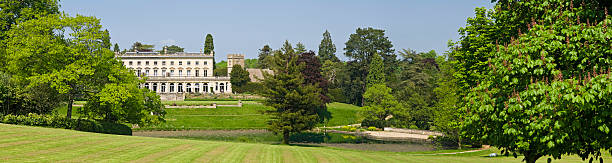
(35, 144)
(249, 116)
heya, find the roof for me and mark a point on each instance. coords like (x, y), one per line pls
(257, 74)
(158, 55)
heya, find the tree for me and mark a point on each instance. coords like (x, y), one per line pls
(116, 48)
(300, 48)
(312, 76)
(209, 47)
(447, 117)
(171, 49)
(221, 69)
(14, 12)
(74, 65)
(239, 77)
(327, 49)
(379, 104)
(546, 90)
(106, 40)
(264, 56)
(140, 47)
(295, 103)
(376, 74)
(360, 48)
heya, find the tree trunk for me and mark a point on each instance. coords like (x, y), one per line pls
(285, 137)
(69, 111)
(459, 141)
(531, 158)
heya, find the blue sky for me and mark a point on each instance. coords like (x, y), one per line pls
(245, 26)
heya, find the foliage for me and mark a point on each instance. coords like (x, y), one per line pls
(379, 104)
(106, 43)
(327, 49)
(220, 69)
(62, 122)
(116, 48)
(264, 56)
(252, 87)
(296, 103)
(209, 46)
(171, 49)
(251, 63)
(376, 74)
(312, 73)
(447, 117)
(239, 77)
(547, 90)
(140, 47)
(360, 48)
(14, 12)
(300, 48)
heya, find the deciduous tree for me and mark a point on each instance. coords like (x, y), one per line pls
(239, 77)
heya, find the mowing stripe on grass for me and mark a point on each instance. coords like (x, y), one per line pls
(252, 155)
(288, 155)
(188, 156)
(51, 147)
(235, 153)
(271, 153)
(108, 149)
(212, 153)
(154, 156)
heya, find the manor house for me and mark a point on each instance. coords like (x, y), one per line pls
(179, 73)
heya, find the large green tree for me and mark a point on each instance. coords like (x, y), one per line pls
(546, 88)
(379, 106)
(209, 46)
(360, 48)
(239, 77)
(312, 76)
(376, 74)
(327, 49)
(296, 104)
(12, 12)
(446, 114)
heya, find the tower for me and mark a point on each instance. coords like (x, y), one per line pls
(233, 59)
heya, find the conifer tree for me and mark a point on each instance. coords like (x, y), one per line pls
(296, 104)
(239, 77)
(116, 48)
(264, 56)
(327, 49)
(376, 73)
(300, 48)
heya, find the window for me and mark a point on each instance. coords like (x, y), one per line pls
(147, 72)
(197, 62)
(188, 63)
(188, 72)
(171, 72)
(205, 72)
(147, 63)
(155, 63)
(163, 62)
(205, 63)
(171, 62)
(180, 62)
(138, 73)
(180, 72)
(154, 72)
(130, 63)
(138, 63)
(197, 72)
(163, 72)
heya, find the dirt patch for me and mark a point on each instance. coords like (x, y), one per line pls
(195, 133)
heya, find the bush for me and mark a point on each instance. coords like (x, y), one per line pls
(62, 122)
(444, 142)
(372, 128)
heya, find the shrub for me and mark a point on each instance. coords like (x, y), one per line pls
(62, 122)
(372, 128)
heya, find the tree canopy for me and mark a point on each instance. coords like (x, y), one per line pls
(327, 49)
(239, 77)
(140, 47)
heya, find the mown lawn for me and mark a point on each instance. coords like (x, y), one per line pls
(249, 116)
(36, 144)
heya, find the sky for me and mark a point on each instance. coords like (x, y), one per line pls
(243, 27)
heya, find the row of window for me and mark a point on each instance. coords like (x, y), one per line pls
(195, 88)
(163, 63)
(169, 73)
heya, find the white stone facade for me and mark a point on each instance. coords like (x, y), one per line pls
(176, 73)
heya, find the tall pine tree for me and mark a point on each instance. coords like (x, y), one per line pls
(296, 104)
(376, 74)
(300, 48)
(327, 49)
(209, 48)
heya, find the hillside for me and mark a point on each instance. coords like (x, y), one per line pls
(35, 144)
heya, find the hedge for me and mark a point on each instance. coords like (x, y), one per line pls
(63, 122)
